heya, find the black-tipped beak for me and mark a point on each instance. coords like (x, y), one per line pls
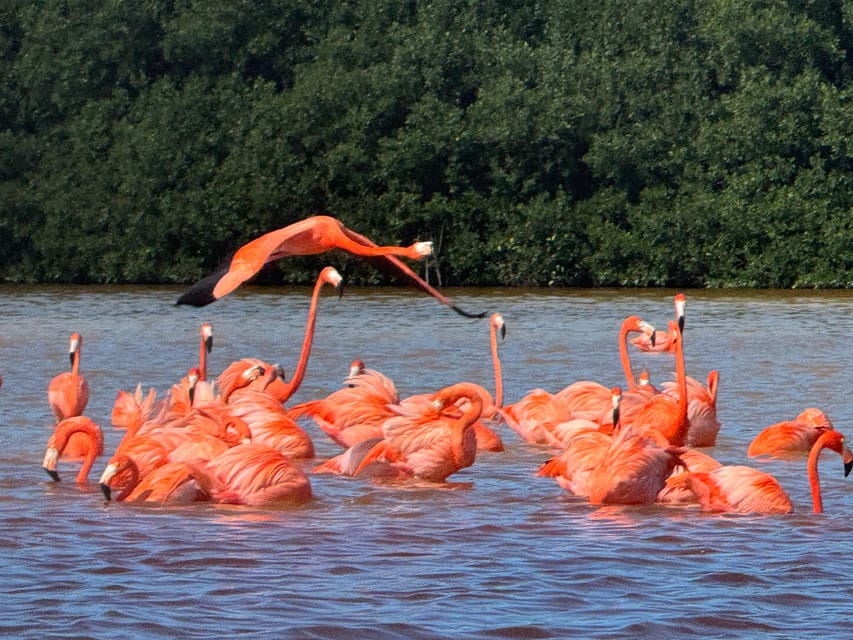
(503, 332)
(105, 489)
(681, 324)
(53, 474)
(71, 358)
(847, 468)
(652, 338)
(208, 344)
(340, 289)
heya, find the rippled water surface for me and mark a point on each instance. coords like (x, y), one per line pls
(497, 553)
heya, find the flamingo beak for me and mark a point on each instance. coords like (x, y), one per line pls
(503, 331)
(848, 462)
(105, 489)
(208, 344)
(53, 474)
(51, 455)
(652, 338)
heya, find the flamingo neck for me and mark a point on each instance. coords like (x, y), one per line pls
(681, 379)
(623, 355)
(299, 373)
(94, 438)
(129, 467)
(202, 361)
(496, 362)
(814, 480)
(75, 363)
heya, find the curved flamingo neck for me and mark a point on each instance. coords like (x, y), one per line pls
(92, 434)
(713, 383)
(823, 442)
(497, 322)
(128, 466)
(299, 373)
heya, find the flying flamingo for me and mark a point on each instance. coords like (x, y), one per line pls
(791, 437)
(68, 394)
(311, 236)
(663, 340)
(430, 445)
(87, 431)
(743, 489)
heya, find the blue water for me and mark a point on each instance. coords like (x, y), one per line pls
(497, 553)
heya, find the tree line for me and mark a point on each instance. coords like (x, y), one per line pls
(682, 143)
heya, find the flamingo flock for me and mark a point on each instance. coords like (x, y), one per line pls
(234, 439)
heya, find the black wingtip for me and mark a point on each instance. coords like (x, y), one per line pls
(467, 314)
(201, 293)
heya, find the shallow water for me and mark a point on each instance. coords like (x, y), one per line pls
(497, 553)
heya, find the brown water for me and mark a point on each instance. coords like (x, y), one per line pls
(499, 553)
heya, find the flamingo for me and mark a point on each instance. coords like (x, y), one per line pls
(663, 340)
(791, 437)
(256, 475)
(430, 445)
(665, 414)
(87, 431)
(743, 489)
(313, 235)
(68, 394)
(356, 411)
(627, 468)
(170, 483)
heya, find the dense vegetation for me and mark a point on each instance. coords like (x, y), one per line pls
(592, 142)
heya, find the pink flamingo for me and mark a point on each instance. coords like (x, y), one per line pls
(430, 445)
(743, 489)
(87, 431)
(172, 483)
(256, 475)
(311, 236)
(663, 340)
(627, 468)
(68, 394)
(791, 437)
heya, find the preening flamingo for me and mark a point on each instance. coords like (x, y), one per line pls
(791, 437)
(430, 445)
(68, 394)
(626, 468)
(311, 236)
(87, 431)
(258, 475)
(170, 483)
(743, 489)
(662, 340)
(356, 411)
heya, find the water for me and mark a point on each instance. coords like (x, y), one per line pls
(497, 553)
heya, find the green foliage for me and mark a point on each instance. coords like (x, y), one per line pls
(588, 143)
